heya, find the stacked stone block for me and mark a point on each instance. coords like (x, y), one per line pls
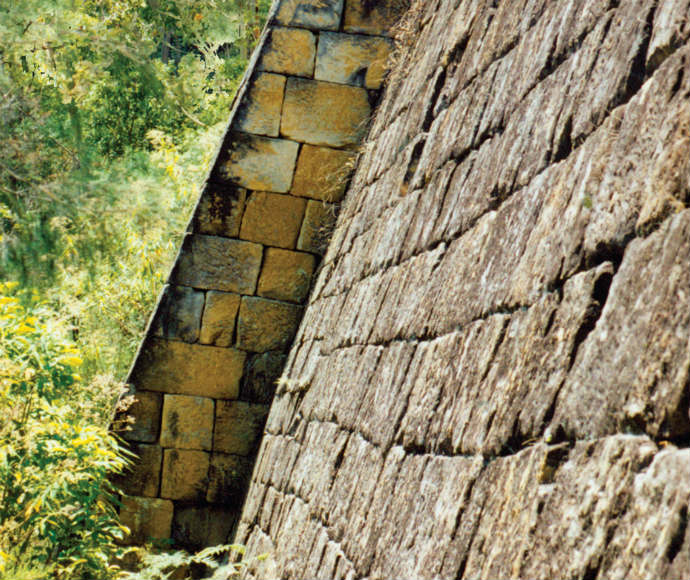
(205, 374)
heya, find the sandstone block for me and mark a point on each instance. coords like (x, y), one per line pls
(147, 518)
(143, 476)
(228, 479)
(239, 426)
(286, 275)
(220, 210)
(290, 51)
(265, 325)
(258, 162)
(189, 369)
(272, 219)
(322, 173)
(366, 17)
(260, 375)
(199, 527)
(215, 263)
(187, 422)
(318, 224)
(324, 113)
(218, 323)
(185, 474)
(179, 314)
(260, 110)
(146, 412)
(352, 59)
(324, 15)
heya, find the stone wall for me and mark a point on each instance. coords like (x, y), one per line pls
(205, 375)
(492, 376)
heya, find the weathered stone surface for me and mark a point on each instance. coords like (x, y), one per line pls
(272, 219)
(146, 415)
(286, 275)
(179, 314)
(322, 173)
(220, 209)
(215, 263)
(289, 51)
(324, 14)
(318, 224)
(238, 427)
(218, 322)
(260, 375)
(195, 528)
(147, 518)
(352, 59)
(257, 162)
(185, 474)
(364, 16)
(265, 325)
(228, 479)
(142, 477)
(187, 422)
(189, 369)
(324, 113)
(260, 111)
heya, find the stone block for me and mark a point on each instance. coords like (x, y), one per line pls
(142, 477)
(322, 173)
(179, 314)
(185, 474)
(272, 219)
(215, 263)
(187, 422)
(195, 528)
(290, 51)
(260, 375)
(318, 224)
(366, 17)
(352, 59)
(147, 518)
(257, 162)
(260, 109)
(228, 479)
(218, 323)
(323, 15)
(324, 113)
(189, 369)
(239, 426)
(220, 209)
(146, 413)
(286, 275)
(265, 325)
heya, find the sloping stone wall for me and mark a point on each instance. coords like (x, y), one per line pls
(492, 376)
(205, 374)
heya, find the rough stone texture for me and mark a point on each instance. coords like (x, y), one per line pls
(145, 413)
(228, 478)
(187, 422)
(272, 219)
(198, 527)
(322, 173)
(238, 426)
(260, 375)
(265, 325)
(317, 227)
(289, 51)
(260, 113)
(185, 474)
(286, 275)
(220, 210)
(218, 322)
(324, 113)
(148, 518)
(373, 17)
(142, 477)
(179, 314)
(491, 377)
(323, 14)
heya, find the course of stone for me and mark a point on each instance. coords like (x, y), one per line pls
(492, 376)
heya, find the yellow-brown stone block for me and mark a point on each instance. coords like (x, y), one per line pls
(290, 51)
(322, 173)
(215, 263)
(366, 17)
(179, 314)
(322, 14)
(265, 325)
(256, 162)
(185, 474)
(239, 426)
(197, 527)
(318, 224)
(352, 59)
(187, 422)
(189, 369)
(219, 212)
(228, 479)
(146, 413)
(324, 113)
(272, 219)
(142, 477)
(218, 322)
(286, 275)
(147, 518)
(260, 110)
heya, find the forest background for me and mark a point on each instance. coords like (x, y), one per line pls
(110, 111)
